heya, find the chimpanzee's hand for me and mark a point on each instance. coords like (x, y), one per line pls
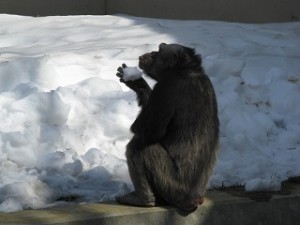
(128, 73)
(120, 72)
(133, 79)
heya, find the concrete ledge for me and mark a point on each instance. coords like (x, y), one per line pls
(219, 209)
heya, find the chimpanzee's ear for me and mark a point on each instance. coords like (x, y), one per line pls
(191, 57)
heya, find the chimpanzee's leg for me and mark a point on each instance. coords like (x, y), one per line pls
(143, 194)
(156, 178)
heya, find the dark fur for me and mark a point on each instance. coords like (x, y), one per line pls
(173, 151)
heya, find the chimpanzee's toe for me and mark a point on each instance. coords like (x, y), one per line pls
(132, 198)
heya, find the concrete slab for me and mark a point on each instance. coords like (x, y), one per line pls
(219, 208)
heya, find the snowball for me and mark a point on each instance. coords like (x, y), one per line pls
(131, 73)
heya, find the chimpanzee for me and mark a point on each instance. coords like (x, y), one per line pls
(176, 134)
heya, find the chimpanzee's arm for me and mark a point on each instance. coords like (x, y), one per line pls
(152, 122)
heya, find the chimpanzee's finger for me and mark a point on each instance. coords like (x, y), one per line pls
(120, 69)
(120, 75)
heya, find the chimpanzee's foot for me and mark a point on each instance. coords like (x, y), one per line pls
(190, 205)
(198, 201)
(133, 199)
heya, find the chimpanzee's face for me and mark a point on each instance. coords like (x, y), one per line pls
(166, 58)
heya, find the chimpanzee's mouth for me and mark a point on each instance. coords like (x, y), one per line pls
(145, 61)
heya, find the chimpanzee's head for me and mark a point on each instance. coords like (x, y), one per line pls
(169, 57)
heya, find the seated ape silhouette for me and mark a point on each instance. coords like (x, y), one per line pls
(173, 150)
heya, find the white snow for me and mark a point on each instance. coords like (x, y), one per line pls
(131, 73)
(65, 118)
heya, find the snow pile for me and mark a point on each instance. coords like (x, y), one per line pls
(65, 117)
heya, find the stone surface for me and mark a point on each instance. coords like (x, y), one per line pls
(219, 208)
